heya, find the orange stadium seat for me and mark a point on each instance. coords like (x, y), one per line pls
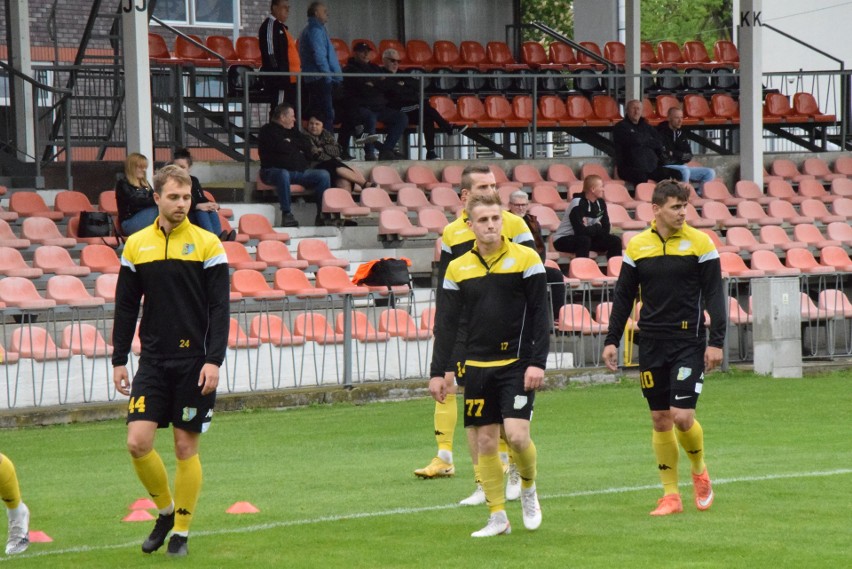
(225, 48)
(378, 200)
(20, 292)
(777, 109)
(725, 51)
(499, 54)
(252, 284)
(158, 51)
(534, 55)
(336, 281)
(84, 339)
(57, 261)
(315, 328)
(68, 290)
(270, 329)
(419, 54)
(362, 329)
(580, 113)
(239, 258)
(44, 231)
(669, 54)
(317, 253)
(12, 264)
(498, 108)
(696, 107)
(295, 282)
(248, 49)
(191, 53)
(71, 203)
(257, 226)
(818, 168)
(395, 224)
(100, 258)
(433, 219)
(276, 254)
(777, 237)
(472, 112)
(31, 204)
(805, 104)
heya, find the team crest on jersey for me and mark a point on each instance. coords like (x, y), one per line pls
(189, 413)
(187, 248)
(508, 262)
(683, 373)
(685, 245)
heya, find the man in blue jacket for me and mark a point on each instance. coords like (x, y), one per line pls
(318, 56)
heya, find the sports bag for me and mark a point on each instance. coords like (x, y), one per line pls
(95, 224)
(383, 272)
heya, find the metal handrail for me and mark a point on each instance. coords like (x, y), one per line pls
(845, 89)
(63, 102)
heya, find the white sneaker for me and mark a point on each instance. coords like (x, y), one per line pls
(497, 524)
(475, 499)
(531, 508)
(19, 531)
(513, 486)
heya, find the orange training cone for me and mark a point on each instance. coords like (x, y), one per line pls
(242, 508)
(143, 504)
(138, 516)
(39, 537)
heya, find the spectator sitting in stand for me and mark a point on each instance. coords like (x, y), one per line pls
(403, 93)
(638, 148)
(285, 155)
(204, 213)
(134, 196)
(366, 104)
(676, 152)
(585, 225)
(326, 156)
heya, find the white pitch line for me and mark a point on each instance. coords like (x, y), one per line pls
(407, 511)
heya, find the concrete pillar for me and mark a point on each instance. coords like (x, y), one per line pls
(19, 25)
(751, 90)
(776, 318)
(632, 38)
(137, 82)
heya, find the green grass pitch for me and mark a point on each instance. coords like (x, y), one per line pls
(335, 487)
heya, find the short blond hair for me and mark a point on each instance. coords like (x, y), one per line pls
(482, 199)
(171, 172)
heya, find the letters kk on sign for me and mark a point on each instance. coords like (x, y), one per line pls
(749, 19)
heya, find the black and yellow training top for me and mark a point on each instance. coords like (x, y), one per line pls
(184, 279)
(503, 299)
(676, 280)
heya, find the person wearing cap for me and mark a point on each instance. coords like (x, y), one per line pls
(278, 53)
(366, 104)
(403, 93)
(317, 55)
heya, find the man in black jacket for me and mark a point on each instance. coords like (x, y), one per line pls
(585, 226)
(366, 104)
(677, 153)
(284, 158)
(403, 93)
(278, 53)
(638, 148)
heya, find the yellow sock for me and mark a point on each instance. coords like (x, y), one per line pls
(446, 417)
(526, 461)
(477, 477)
(152, 473)
(187, 489)
(692, 441)
(666, 451)
(9, 490)
(491, 472)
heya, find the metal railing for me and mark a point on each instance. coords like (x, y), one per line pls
(46, 102)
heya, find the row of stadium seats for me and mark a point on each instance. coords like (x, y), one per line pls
(467, 55)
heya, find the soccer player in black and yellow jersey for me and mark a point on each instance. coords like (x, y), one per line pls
(18, 538)
(182, 271)
(675, 270)
(456, 240)
(499, 288)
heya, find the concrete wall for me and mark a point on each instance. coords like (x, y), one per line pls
(821, 23)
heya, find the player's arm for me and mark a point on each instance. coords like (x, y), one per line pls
(218, 286)
(128, 294)
(447, 317)
(535, 291)
(626, 289)
(713, 291)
